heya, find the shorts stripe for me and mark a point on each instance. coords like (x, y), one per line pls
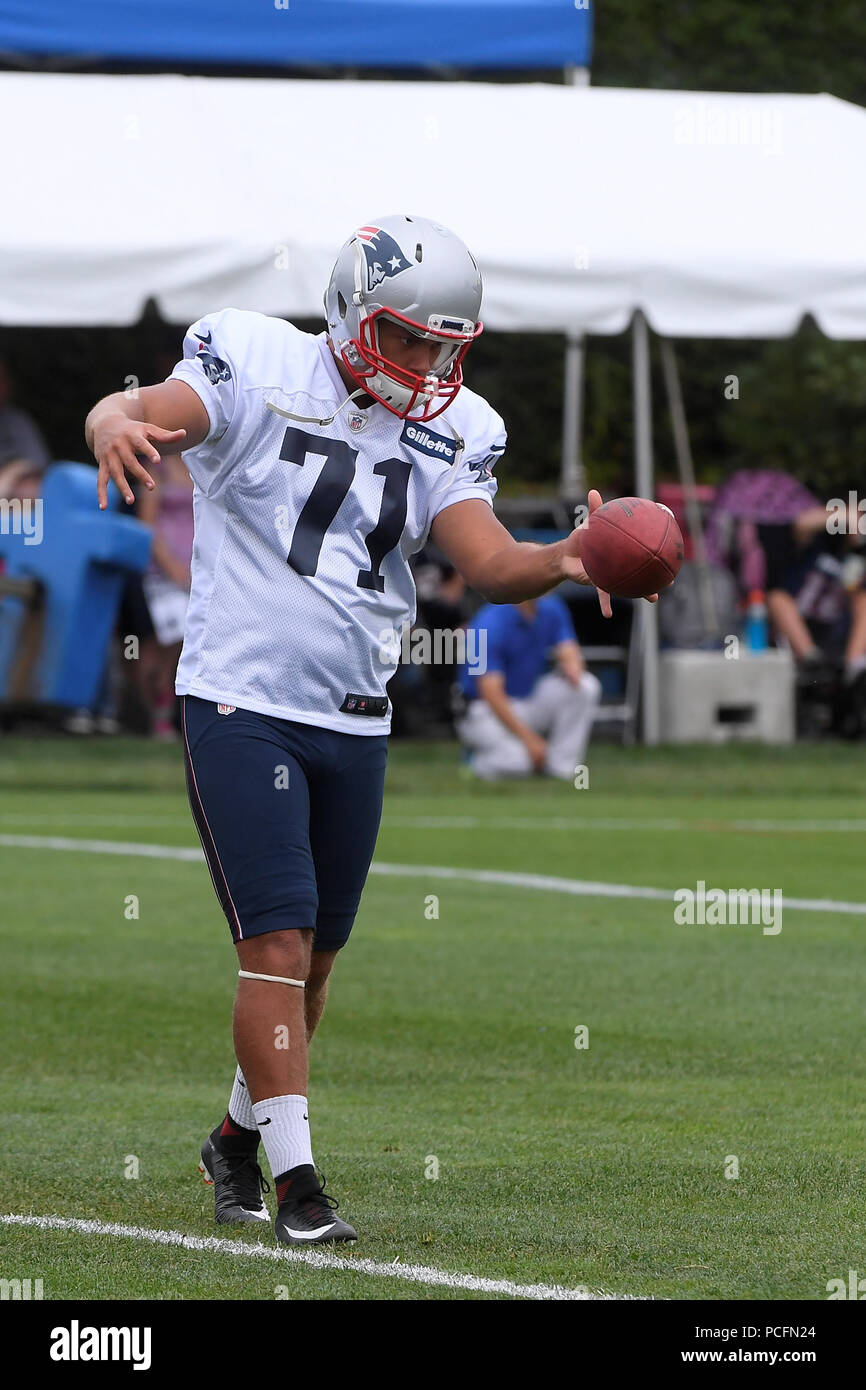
(211, 854)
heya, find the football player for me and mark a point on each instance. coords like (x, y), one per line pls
(321, 464)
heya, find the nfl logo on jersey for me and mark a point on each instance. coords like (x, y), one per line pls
(357, 421)
(226, 709)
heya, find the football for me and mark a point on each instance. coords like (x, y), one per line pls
(632, 547)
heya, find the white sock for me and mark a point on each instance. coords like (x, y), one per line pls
(284, 1125)
(240, 1105)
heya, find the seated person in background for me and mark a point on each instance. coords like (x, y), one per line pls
(811, 601)
(533, 706)
(773, 535)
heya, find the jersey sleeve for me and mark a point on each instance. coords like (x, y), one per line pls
(214, 350)
(472, 476)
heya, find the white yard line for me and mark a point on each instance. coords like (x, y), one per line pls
(583, 823)
(544, 883)
(13, 820)
(318, 1259)
(584, 888)
(130, 847)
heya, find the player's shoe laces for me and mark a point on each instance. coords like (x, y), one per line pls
(238, 1184)
(308, 1218)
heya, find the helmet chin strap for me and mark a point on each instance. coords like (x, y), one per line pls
(314, 419)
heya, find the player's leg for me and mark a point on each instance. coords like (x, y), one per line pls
(345, 776)
(316, 993)
(249, 795)
(270, 1033)
(345, 811)
(563, 713)
(271, 1045)
(229, 1161)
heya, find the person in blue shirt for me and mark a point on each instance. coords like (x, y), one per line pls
(530, 699)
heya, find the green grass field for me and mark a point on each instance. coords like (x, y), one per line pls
(453, 1037)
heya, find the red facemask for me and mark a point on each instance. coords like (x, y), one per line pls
(435, 392)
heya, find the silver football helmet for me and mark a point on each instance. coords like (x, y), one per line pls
(418, 274)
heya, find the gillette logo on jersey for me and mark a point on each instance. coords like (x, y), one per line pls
(382, 254)
(426, 442)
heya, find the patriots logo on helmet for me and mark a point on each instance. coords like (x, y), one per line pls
(382, 254)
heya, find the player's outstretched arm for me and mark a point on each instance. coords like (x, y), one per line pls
(502, 569)
(121, 430)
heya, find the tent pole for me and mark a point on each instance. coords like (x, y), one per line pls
(643, 457)
(686, 468)
(572, 476)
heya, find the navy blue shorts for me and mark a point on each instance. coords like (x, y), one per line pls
(288, 816)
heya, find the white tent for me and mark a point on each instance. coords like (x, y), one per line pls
(702, 215)
(718, 216)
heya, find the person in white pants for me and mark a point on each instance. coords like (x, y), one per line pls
(531, 699)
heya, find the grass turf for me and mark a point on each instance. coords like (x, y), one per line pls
(453, 1037)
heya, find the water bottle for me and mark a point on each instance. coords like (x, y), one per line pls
(756, 622)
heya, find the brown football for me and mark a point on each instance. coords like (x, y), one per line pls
(631, 547)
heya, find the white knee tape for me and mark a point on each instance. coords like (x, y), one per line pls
(273, 979)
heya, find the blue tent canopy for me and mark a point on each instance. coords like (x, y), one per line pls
(305, 33)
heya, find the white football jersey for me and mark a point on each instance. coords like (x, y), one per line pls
(303, 532)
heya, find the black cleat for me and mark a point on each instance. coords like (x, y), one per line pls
(237, 1182)
(309, 1219)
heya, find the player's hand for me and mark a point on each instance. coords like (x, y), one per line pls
(572, 567)
(118, 446)
(536, 747)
